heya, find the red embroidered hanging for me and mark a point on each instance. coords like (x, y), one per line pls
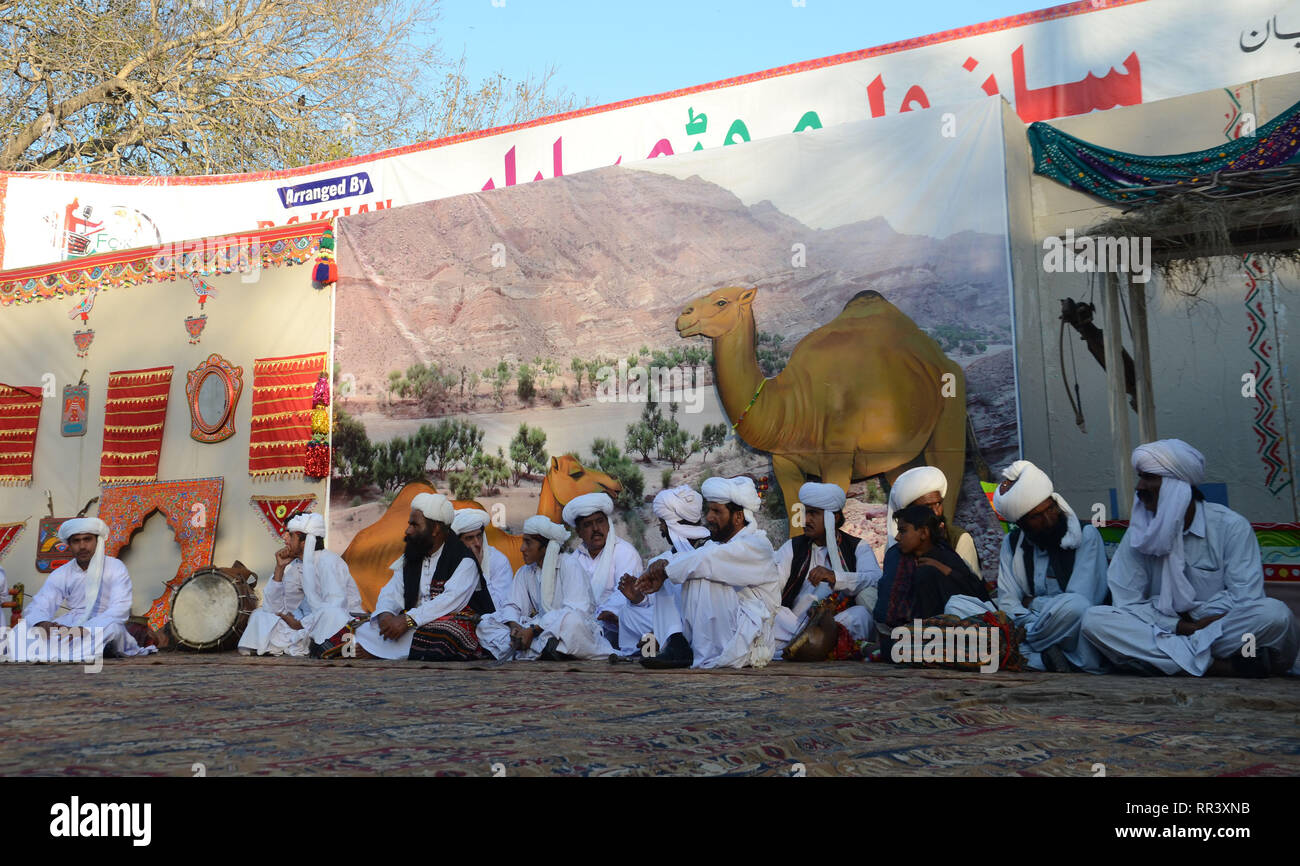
(277, 511)
(134, 412)
(20, 410)
(281, 423)
(9, 533)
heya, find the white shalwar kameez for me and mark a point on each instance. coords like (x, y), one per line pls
(730, 593)
(1222, 566)
(632, 619)
(267, 633)
(1055, 616)
(105, 617)
(498, 574)
(856, 618)
(525, 606)
(392, 599)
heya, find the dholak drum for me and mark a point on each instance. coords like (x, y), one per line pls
(210, 610)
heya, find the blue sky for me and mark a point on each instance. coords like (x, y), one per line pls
(609, 50)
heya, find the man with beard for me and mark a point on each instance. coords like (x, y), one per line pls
(470, 525)
(813, 570)
(597, 567)
(1187, 582)
(730, 587)
(429, 609)
(1051, 571)
(679, 510)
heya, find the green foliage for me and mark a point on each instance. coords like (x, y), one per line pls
(527, 388)
(579, 368)
(772, 355)
(712, 437)
(498, 377)
(641, 439)
(465, 484)
(666, 478)
(353, 455)
(528, 451)
(492, 470)
(608, 460)
(675, 445)
(961, 338)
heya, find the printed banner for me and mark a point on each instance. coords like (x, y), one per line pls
(1069, 59)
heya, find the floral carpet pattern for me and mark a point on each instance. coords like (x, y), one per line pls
(165, 714)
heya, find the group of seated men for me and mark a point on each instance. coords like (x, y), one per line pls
(1185, 586)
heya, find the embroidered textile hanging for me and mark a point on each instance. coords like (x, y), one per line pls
(277, 511)
(20, 410)
(191, 507)
(134, 412)
(281, 423)
(1111, 174)
(9, 533)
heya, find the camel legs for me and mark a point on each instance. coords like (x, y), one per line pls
(947, 446)
(790, 477)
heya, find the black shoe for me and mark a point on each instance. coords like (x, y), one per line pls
(1252, 667)
(1055, 661)
(551, 653)
(315, 650)
(675, 653)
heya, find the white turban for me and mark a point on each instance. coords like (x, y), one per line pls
(95, 573)
(830, 498)
(434, 506)
(1030, 486)
(739, 491)
(911, 486)
(313, 526)
(308, 523)
(469, 520)
(1161, 534)
(556, 534)
(586, 504)
(681, 509)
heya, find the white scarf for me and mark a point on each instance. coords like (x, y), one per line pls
(1180, 466)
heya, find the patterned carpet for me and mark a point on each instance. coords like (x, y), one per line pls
(161, 715)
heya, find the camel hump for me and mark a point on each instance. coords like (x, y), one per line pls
(866, 303)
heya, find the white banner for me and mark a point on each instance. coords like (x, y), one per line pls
(1070, 59)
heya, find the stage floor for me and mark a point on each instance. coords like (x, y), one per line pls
(165, 714)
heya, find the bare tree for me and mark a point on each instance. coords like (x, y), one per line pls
(213, 86)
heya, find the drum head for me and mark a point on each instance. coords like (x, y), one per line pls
(205, 608)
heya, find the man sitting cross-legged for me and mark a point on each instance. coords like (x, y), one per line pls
(1051, 571)
(1186, 582)
(730, 588)
(598, 565)
(96, 590)
(429, 609)
(813, 570)
(516, 629)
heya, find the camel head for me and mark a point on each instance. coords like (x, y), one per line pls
(569, 479)
(715, 314)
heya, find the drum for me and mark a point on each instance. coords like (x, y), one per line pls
(210, 610)
(817, 638)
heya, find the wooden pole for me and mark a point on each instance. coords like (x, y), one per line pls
(1121, 447)
(1146, 403)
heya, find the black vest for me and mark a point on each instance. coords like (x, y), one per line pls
(1060, 562)
(453, 551)
(801, 559)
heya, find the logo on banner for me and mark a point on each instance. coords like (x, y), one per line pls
(326, 190)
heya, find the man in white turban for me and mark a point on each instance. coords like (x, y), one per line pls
(730, 587)
(309, 600)
(535, 612)
(96, 590)
(1051, 571)
(922, 485)
(428, 611)
(598, 578)
(470, 524)
(812, 570)
(1186, 583)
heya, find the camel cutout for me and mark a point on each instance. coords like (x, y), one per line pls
(863, 396)
(377, 546)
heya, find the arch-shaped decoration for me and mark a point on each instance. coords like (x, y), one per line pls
(191, 508)
(212, 391)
